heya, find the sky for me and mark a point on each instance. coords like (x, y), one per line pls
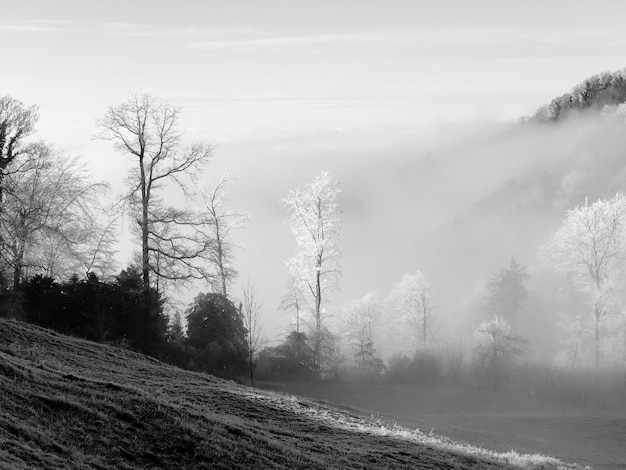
(286, 89)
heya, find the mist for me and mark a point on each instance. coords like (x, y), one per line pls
(454, 201)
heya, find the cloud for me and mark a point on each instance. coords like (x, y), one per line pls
(499, 42)
(37, 26)
(147, 30)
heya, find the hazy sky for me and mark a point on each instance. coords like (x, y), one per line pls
(286, 89)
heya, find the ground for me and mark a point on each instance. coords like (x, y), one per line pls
(499, 421)
(67, 403)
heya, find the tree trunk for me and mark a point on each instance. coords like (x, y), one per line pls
(145, 253)
(17, 270)
(598, 313)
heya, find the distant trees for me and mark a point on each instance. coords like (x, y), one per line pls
(506, 292)
(220, 223)
(17, 122)
(413, 307)
(216, 332)
(590, 247)
(315, 221)
(172, 241)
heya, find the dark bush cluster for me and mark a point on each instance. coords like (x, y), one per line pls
(123, 313)
(118, 312)
(424, 368)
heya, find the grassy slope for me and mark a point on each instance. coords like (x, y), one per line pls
(498, 420)
(70, 404)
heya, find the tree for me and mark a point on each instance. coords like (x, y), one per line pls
(216, 331)
(358, 320)
(52, 217)
(16, 122)
(506, 292)
(496, 347)
(315, 221)
(251, 311)
(147, 129)
(590, 246)
(294, 301)
(221, 223)
(412, 301)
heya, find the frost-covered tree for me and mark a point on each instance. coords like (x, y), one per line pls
(412, 303)
(358, 321)
(294, 302)
(315, 221)
(590, 247)
(221, 223)
(496, 347)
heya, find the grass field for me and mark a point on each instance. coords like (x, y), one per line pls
(66, 403)
(499, 421)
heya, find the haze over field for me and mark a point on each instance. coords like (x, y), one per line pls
(393, 100)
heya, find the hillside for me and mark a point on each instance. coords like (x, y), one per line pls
(67, 403)
(593, 93)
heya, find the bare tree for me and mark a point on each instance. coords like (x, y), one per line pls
(221, 223)
(294, 301)
(315, 221)
(251, 310)
(146, 129)
(51, 220)
(16, 122)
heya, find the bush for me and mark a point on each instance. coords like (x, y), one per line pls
(426, 367)
(293, 358)
(216, 336)
(120, 311)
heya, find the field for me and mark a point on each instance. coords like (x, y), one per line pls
(498, 421)
(67, 403)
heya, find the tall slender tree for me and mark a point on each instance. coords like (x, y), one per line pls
(251, 311)
(146, 129)
(220, 224)
(315, 221)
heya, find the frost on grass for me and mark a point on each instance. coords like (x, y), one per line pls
(375, 426)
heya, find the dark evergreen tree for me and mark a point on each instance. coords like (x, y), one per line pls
(216, 332)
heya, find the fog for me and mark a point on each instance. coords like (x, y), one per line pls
(455, 201)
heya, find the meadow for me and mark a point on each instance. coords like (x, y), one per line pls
(497, 420)
(67, 403)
